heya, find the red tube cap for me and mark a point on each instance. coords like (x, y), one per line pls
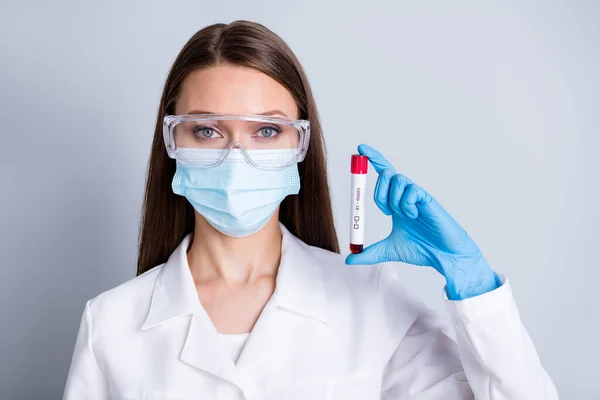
(359, 164)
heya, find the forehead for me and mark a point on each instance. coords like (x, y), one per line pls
(231, 89)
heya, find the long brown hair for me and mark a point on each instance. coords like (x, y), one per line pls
(166, 217)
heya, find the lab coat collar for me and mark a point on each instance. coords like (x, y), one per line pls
(299, 285)
(299, 291)
(300, 281)
(174, 292)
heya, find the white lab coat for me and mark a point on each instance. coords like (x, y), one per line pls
(329, 331)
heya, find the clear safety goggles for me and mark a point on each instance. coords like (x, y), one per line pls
(205, 140)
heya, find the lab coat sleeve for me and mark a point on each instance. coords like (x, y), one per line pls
(85, 379)
(493, 357)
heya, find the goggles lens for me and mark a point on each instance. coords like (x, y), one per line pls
(268, 142)
(253, 135)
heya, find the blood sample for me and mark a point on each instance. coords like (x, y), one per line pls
(358, 171)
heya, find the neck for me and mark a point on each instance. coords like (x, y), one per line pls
(215, 256)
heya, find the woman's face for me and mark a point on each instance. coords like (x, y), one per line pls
(228, 89)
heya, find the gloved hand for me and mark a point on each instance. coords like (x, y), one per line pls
(423, 233)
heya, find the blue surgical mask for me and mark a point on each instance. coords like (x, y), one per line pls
(235, 197)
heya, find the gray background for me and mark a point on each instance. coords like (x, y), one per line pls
(494, 108)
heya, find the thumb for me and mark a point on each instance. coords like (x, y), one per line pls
(373, 254)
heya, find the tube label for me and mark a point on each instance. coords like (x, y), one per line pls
(357, 209)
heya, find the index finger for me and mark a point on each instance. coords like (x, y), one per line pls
(378, 161)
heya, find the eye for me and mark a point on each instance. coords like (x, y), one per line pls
(204, 132)
(269, 131)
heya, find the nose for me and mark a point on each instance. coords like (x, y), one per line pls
(235, 145)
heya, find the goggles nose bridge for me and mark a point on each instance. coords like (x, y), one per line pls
(235, 144)
(238, 146)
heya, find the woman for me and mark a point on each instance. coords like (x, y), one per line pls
(241, 292)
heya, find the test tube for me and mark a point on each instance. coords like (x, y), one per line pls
(358, 172)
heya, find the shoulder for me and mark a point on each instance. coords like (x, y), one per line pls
(336, 274)
(125, 304)
(373, 293)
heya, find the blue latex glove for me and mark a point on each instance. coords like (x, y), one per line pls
(423, 233)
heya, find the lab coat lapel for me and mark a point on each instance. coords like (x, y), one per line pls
(175, 296)
(295, 317)
(204, 351)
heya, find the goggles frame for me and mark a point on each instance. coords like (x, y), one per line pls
(171, 121)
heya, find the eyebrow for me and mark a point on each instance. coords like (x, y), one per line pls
(271, 112)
